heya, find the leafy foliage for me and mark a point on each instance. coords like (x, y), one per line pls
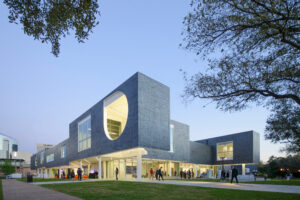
(283, 125)
(280, 166)
(50, 20)
(7, 167)
(258, 50)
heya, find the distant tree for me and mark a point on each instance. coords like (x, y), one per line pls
(7, 168)
(50, 20)
(281, 166)
(258, 51)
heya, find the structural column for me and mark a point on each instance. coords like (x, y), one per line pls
(104, 170)
(196, 172)
(170, 169)
(139, 167)
(99, 168)
(243, 169)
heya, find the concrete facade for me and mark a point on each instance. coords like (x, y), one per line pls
(148, 127)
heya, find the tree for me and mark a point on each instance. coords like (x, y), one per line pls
(50, 20)
(258, 50)
(7, 168)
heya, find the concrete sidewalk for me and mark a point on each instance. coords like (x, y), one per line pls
(239, 186)
(15, 190)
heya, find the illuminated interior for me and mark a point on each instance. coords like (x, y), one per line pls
(115, 111)
(225, 151)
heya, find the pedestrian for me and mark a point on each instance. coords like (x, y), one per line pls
(189, 174)
(72, 175)
(117, 172)
(63, 175)
(254, 174)
(151, 174)
(181, 174)
(156, 174)
(79, 174)
(175, 173)
(223, 174)
(265, 176)
(160, 173)
(234, 174)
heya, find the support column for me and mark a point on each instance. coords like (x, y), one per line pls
(104, 170)
(139, 168)
(196, 172)
(243, 169)
(99, 168)
(170, 169)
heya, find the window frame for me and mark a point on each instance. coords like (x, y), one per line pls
(224, 143)
(80, 141)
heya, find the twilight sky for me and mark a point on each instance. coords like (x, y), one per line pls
(41, 94)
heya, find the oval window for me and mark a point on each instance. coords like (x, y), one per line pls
(115, 113)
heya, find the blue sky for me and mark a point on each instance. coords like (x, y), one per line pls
(42, 94)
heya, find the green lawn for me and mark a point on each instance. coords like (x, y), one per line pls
(278, 182)
(1, 194)
(43, 180)
(137, 190)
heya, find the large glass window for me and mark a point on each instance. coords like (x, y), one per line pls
(42, 160)
(84, 134)
(225, 151)
(171, 138)
(115, 113)
(63, 151)
(50, 158)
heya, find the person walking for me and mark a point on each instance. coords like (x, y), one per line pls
(72, 175)
(181, 174)
(79, 174)
(160, 174)
(117, 172)
(223, 174)
(234, 174)
(151, 174)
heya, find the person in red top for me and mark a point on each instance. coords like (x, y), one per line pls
(151, 174)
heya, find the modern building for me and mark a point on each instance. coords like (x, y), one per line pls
(130, 129)
(9, 151)
(43, 147)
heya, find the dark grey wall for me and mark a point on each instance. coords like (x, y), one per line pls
(181, 147)
(100, 144)
(154, 113)
(200, 153)
(243, 147)
(148, 122)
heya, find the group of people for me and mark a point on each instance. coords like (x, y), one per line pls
(186, 174)
(158, 174)
(71, 175)
(225, 175)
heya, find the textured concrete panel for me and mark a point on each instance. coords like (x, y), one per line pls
(200, 153)
(181, 147)
(154, 113)
(242, 147)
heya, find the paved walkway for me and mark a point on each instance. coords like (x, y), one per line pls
(240, 186)
(15, 190)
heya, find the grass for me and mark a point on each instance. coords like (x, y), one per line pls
(277, 182)
(43, 180)
(1, 193)
(123, 190)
